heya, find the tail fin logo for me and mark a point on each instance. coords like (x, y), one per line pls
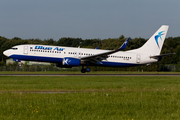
(158, 36)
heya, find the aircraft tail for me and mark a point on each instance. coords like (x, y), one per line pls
(154, 45)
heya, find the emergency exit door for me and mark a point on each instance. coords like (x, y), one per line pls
(25, 49)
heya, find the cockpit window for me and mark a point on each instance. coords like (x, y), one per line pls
(14, 48)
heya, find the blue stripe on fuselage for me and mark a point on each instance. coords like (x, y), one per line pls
(37, 58)
(58, 60)
(116, 64)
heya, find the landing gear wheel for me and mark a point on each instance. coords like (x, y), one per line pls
(88, 69)
(83, 70)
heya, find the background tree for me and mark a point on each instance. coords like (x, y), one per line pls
(171, 45)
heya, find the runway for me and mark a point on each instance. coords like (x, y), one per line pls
(89, 74)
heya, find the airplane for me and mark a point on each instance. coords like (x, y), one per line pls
(68, 57)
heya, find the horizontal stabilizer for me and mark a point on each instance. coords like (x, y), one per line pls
(162, 55)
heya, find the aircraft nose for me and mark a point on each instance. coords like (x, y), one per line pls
(6, 53)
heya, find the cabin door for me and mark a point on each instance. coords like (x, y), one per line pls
(138, 59)
(25, 49)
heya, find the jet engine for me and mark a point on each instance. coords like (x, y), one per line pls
(68, 61)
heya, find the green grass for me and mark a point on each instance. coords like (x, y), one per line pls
(93, 97)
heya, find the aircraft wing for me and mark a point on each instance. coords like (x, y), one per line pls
(102, 56)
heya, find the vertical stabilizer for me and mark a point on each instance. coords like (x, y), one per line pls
(154, 45)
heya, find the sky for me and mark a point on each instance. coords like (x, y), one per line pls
(87, 19)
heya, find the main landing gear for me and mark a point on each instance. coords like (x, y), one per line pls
(83, 70)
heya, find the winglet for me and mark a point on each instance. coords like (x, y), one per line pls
(123, 46)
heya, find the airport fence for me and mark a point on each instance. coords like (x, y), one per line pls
(170, 68)
(36, 68)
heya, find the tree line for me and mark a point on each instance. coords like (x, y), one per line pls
(171, 45)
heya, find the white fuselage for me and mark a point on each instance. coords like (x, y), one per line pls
(56, 54)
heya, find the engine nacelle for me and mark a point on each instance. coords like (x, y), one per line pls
(68, 61)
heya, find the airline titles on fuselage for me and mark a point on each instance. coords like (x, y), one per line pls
(47, 48)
